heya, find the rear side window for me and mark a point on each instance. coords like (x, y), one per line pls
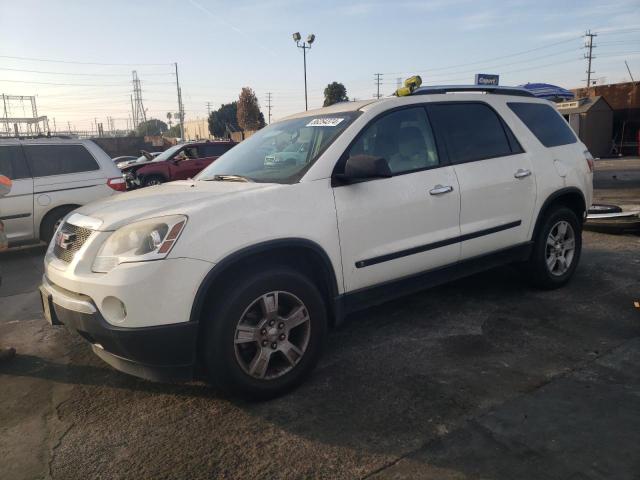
(472, 131)
(46, 160)
(12, 163)
(545, 123)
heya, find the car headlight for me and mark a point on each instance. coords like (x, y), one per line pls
(141, 241)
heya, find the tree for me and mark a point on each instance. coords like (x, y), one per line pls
(173, 132)
(335, 93)
(224, 120)
(249, 115)
(151, 127)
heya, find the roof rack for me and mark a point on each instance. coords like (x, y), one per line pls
(494, 89)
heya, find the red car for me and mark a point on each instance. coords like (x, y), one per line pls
(177, 163)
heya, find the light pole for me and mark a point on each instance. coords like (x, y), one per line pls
(304, 46)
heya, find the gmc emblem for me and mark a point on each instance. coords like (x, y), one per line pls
(65, 240)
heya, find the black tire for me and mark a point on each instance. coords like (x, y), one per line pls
(153, 180)
(50, 221)
(536, 268)
(598, 208)
(218, 350)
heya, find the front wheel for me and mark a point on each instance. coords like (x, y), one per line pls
(266, 334)
(556, 250)
(152, 180)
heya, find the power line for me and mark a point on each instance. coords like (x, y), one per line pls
(80, 74)
(572, 39)
(31, 59)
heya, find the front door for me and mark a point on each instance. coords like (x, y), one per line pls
(394, 227)
(16, 208)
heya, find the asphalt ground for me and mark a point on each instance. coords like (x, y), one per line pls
(481, 378)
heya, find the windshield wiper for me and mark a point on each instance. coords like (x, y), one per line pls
(230, 178)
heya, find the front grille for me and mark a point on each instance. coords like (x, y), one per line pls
(69, 240)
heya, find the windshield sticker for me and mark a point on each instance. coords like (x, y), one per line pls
(324, 122)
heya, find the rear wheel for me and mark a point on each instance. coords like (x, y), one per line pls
(266, 334)
(556, 250)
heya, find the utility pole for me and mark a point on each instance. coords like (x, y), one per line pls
(69, 126)
(378, 80)
(208, 109)
(629, 70)
(55, 129)
(589, 56)
(180, 106)
(269, 105)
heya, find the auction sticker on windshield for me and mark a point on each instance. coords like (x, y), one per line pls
(324, 122)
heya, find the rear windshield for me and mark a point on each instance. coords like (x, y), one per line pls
(281, 152)
(545, 123)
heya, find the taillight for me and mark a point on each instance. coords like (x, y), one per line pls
(589, 158)
(118, 184)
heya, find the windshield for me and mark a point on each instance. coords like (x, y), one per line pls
(167, 154)
(281, 152)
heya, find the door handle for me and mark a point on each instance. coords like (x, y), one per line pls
(522, 173)
(440, 189)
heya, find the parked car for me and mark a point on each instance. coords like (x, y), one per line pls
(240, 272)
(143, 158)
(50, 178)
(123, 159)
(177, 163)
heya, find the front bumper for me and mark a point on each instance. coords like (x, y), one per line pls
(158, 353)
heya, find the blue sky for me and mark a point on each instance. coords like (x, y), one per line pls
(221, 46)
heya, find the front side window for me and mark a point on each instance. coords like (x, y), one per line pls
(281, 152)
(12, 163)
(471, 131)
(46, 160)
(403, 138)
(544, 122)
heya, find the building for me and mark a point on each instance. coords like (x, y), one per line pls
(197, 129)
(592, 120)
(624, 99)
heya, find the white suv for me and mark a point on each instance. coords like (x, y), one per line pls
(239, 272)
(50, 178)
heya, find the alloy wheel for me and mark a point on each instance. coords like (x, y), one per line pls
(560, 248)
(272, 335)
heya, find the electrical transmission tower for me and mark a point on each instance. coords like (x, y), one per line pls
(589, 56)
(269, 105)
(378, 81)
(208, 109)
(137, 108)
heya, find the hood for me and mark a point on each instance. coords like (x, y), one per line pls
(136, 163)
(172, 198)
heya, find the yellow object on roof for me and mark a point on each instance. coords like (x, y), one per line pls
(410, 84)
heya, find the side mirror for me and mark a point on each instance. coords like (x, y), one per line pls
(364, 167)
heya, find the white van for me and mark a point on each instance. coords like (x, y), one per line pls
(51, 177)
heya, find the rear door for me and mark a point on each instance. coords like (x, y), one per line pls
(16, 209)
(496, 177)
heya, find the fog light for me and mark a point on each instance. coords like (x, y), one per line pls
(114, 310)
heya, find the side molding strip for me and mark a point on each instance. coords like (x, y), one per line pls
(434, 245)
